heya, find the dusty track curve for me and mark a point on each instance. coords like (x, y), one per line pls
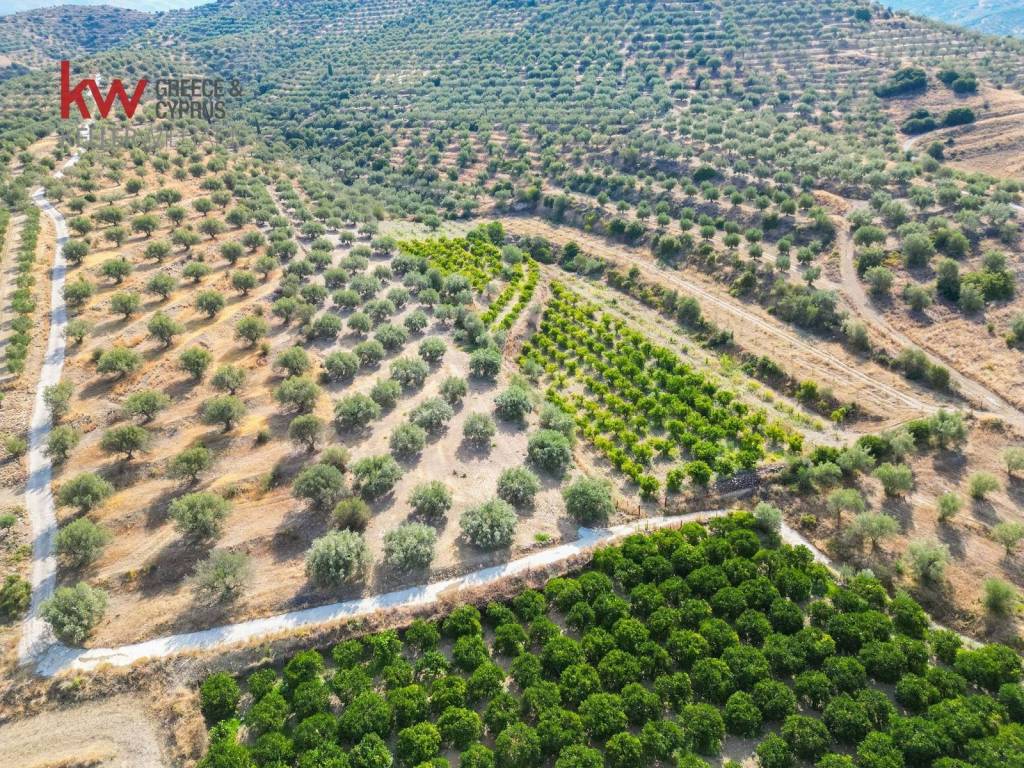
(38, 493)
(862, 306)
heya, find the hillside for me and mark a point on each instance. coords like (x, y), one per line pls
(454, 291)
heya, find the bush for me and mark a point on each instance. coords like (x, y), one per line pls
(479, 429)
(352, 514)
(147, 404)
(336, 558)
(981, 484)
(355, 411)
(297, 392)
(491, 525)
(409, 372)
(222, 577)
(228, 378)
(410, 546)
(589, 501)
(928, 560)
(513, 404)
(375, 476)
(199, 515)
(1009, 534)
(896, 479)
(518, 486)
(305, 431)
(386, 393)
(407, 440)
(341, 366)
(550, 450)
(485, 363)
(453, 390)
(518, 746)
(195, 361)
(320, 484)
(806, 736)
(81, 541)
(431, 500)
(74, 611)
(432, 415)
(218, 697)
(225, 410)
(15, 596)
(84, 492)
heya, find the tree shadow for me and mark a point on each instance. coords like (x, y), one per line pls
(171, 565)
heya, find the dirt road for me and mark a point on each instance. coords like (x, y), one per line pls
(857, 297)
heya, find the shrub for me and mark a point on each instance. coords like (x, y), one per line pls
(375, 476)
(981, 484)
(1009, 534)
(928, 560)
(119, 360)
(355, 411)
(222, 576)
(199, 515)
(806, 736)
(126, 439)
(491, 525)
(896, 479)
(550, 450)
(479, 429)
(218, 697)
(225, 410)
(81, 541)
(73, 612)
(147, 404)
(386, 393)
(322, 485)
(518, 486)
(589, 501)
(195, 361)
(431, 350)
(410, 546)
(306, 430)
(336, 558)
(341, 366)
(453, 390)
(1000, 597)
(513, 404)
(228, 378)
(58, 399)
(485, 363)
(297, 392)
(518, 746)
(15, 596)
(407, 440)
(59, 444)
(431, 500)
(352, 514)
(949, 504)
(431, 414)
(84, 492)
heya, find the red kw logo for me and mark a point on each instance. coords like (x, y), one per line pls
(69, 95)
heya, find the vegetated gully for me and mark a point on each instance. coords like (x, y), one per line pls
(52, 657)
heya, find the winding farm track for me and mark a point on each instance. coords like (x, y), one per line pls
(860, 302)
(38, 492)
